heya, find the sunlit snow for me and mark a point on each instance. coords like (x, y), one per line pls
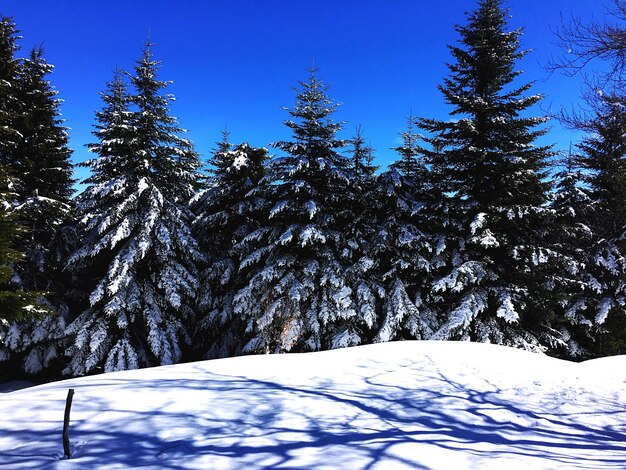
(440, 405)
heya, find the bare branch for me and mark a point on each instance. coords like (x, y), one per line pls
(582, 43)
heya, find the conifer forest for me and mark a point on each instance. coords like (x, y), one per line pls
(476, 232)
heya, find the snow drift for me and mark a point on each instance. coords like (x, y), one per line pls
(395, 405)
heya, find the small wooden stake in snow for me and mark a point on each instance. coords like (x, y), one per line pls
(66, 423)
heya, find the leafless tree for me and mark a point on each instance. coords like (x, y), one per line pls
(585, 42)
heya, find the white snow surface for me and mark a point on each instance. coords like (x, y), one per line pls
(417, 404)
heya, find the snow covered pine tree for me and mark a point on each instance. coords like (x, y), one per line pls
(42, 160)
(296, 297)
(404, 247)
(9, 135)
(137, 256)
(570, 237)
(35, 151)
(362, 275)
(601, 300)
(226, 212)
(495, 178)
(15, 303)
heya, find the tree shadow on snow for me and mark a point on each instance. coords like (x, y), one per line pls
(237, 422)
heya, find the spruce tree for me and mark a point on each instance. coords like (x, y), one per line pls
(571, 237)
(362, 157)
(226, 213)
(41, 162)
(403, 245)
(602, 163)
(34, 148)
(359, 234)
(17, 306)
(137, 255)
(9, 135)
(296, 297)
(15, 303)
(494, 174)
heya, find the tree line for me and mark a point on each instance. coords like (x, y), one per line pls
(473, 233)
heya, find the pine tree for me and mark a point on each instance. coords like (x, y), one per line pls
(226, 213)
(15, 303)
(495, 176)
(11, 300)
(296, 297)
(362, 156)
(41, 160)
(404, 247)
(137, 254)
(601, 301)
(361, 275)
(34, 149)
(571, 237)
(17, 306)
(221, 160)
(9, 136)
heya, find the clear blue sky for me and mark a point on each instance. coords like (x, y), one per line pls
(234, 63)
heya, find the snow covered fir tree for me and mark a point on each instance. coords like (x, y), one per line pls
(473, 231)
(405, 245)
(137, 257)
(570, 236)
(598, 252)
(494, 174)
(36, 154)
(42, 162)
(226, 213)
(296, 297)
(15, 303)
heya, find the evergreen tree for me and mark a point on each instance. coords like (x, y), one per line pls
(226, 213)
(41, 159)
(404, 247)
(221, 160)
(16, 305)
(296, 297)
(571, 237)
(360, 233)
(33, 146)
(601, 301)
(137, 254)
(362, 156)
(9, 136)
(408, 164)
(494, 175)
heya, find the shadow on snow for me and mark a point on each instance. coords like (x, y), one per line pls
(263, 423)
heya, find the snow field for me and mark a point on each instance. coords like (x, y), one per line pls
(418, 404)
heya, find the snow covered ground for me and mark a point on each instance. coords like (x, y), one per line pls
(422, 404)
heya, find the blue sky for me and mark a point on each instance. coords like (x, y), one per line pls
(234, 63)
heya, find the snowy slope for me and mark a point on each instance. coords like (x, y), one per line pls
(396, 405)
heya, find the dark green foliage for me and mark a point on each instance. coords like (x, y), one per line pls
(362, 156)
(404, 247)
(600, 301)
(15, 303)
(296, 296)
(41, 162)
(409, 164)
(9, 136)
(42, 155)
(227, 212)
(495, 177)
(33, 146)
(170, 161)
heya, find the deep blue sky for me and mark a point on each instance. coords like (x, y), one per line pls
(234, 63)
